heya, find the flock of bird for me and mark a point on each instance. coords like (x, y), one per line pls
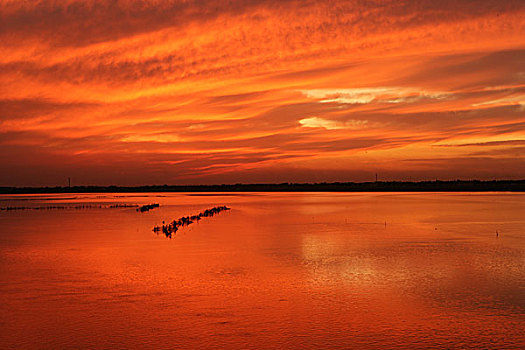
(148, 207)
(172, 227)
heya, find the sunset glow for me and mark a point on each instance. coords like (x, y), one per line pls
(200, 92)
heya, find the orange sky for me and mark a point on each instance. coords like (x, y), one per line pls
(190, 92)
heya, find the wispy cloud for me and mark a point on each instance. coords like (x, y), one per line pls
(373, 94)
(514, 100)
(316, 122)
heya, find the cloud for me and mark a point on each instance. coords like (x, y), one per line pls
(514, 100)
(486, 144)
(372, 94)
(218, 91)
(316, 122)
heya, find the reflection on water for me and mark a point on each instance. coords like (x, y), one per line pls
(300, 270)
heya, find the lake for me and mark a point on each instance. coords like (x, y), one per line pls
(277, 271)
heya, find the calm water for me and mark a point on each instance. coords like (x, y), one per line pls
(302, 270)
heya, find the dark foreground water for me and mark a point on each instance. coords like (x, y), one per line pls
(280, 270)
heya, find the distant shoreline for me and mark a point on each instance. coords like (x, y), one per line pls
(379, 186)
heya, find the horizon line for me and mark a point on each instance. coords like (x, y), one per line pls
(370, 186)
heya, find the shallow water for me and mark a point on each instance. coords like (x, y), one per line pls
(280, 270)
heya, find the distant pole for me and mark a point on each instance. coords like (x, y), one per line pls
(69, 182)
(376, 177)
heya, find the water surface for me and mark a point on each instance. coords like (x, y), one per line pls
(280, 270)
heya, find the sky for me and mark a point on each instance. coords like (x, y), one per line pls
(207, 92)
